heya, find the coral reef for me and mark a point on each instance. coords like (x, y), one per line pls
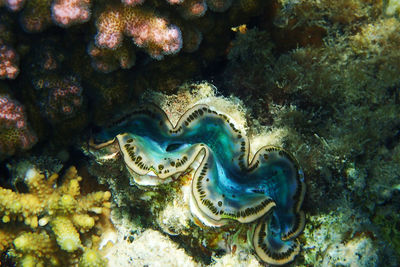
(318, 78)
(336, 95)
(227, 183)
(148, 23)
(68, 214)
(151, 32)
(48, 42)
(15, 133)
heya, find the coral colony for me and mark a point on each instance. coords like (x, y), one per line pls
(116, 21)
(15, 133)
(318, 78)
(64, 98)
(46, 225)
(228, 184)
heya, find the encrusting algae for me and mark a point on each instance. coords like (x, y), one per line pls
(68, 213)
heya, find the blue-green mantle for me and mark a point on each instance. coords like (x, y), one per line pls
(227, 183)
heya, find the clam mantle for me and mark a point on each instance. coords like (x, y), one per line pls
(228, 184)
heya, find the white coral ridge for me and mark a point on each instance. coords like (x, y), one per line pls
(359, 251)
(151, 248)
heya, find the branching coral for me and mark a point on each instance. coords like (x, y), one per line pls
(68, 213)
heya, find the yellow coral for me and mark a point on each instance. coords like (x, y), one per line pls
(62, 207)
(14, 206)
(7, 236)
(83, 221)
(91, 258)
(32, 255)
(43, 244)
(30, 261)
(66, 234)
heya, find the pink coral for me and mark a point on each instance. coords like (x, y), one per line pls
(106, 60)
(13, 5)
(68, 12)
(15, 134)
(132, 2)
(36, 16)
(49, 59)
(154, 34)
(110, 26)
(148, 31)
(174, 2)
(8, 62)
(115, 20)
(64, 97)
(193, 9)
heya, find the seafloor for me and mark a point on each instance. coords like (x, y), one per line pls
(317, 78)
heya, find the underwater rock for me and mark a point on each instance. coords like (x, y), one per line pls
(359, 251)
(150, 248)
(228, 183)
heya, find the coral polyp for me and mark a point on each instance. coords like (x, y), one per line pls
(229, 184)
